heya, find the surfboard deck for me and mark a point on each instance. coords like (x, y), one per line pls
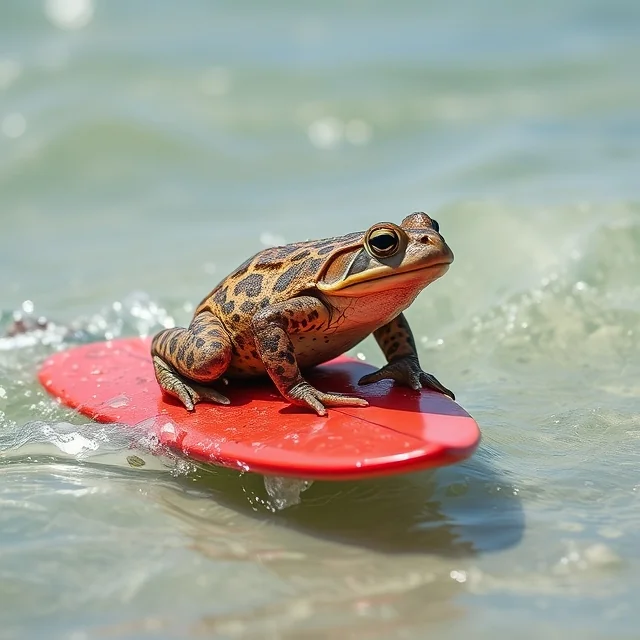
(400, 431)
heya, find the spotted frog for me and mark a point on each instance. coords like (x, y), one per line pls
(290, 308)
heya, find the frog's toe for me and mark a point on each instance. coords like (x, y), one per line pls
(178, 389)
(189, 393)
(407, 372)
(208, 394)
(305, 395)
(399, 371)
(429, 381)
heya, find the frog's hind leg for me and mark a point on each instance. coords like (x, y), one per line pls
(182, 358)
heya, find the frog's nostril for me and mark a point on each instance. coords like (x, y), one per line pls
(425, 239)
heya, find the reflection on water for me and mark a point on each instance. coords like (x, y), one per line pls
(143, 155)
(301, 563)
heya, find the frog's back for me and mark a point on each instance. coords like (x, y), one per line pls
(273, 275)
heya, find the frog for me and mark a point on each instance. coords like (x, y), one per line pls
(290, 308)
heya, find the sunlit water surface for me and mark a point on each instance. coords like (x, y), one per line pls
(145, 153)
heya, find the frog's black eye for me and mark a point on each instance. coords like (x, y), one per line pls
(382, 243)
(435, 225)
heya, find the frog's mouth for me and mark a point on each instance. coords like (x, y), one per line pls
(385, 278)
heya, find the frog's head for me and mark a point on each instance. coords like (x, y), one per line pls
(388, 256)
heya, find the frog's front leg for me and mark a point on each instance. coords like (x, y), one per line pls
(397, 343)
(272, 327)
(184, 357)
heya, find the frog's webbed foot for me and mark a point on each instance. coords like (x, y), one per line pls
(188, 392)
(407, 371)
(304, 395)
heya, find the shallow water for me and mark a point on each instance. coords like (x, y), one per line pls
(144, 154)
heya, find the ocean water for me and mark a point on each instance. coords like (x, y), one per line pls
(146, 149)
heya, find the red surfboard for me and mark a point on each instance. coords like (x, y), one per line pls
(400, 431)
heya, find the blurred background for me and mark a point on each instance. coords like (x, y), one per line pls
(146, 149)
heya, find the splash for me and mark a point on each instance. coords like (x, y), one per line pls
(285, 492)
(136, 314)
(107, 444)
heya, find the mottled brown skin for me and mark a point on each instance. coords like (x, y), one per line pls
(292, 307)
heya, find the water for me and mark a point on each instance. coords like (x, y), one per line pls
(145, 153)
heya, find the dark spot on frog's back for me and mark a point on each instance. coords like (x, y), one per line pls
(220, 297)
(324, 250)
(247, 307)
(285, 280)
(300, 256)
(228, 307)
(197, 328)
(313, 265)
(242, 269)
(286, 250)
(251, 285)
(268, 266)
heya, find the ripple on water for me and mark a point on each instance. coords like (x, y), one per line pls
(583, 307)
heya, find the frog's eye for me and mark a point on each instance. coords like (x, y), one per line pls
(435, 225)
(382, 243)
